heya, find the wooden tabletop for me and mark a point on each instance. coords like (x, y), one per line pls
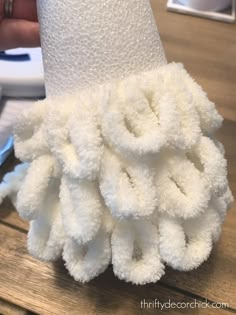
(27, 286)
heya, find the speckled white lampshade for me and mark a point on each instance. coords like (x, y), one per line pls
(86, 42)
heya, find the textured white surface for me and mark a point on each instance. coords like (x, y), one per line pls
(90, 41)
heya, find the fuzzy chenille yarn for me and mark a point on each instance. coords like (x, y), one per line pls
(121, 167)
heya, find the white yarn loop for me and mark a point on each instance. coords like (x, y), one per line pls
(207, 157)
(85, 262)
(73, 134)
(36, 187)
(29, 141)
(135, 252)
(81, 208)
(186, 245)
(46, 236)
(127, 188)
(181, 191)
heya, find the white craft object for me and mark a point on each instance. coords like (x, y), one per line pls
(121, 162)
(22, 75)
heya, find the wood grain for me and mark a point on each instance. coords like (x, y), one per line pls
(7, 308)
(9, 215)
(206, 48)
(48, 289)
(227, 136)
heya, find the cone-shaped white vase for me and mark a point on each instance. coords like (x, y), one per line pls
(120, 164)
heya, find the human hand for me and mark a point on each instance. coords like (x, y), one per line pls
(22, 29)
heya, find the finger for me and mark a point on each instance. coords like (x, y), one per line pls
(22, 9)
(18, 33)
